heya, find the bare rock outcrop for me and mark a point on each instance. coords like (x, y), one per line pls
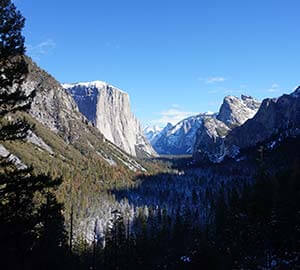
(108, 108)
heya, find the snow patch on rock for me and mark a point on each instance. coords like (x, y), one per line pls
(34, 139)
(4, 153)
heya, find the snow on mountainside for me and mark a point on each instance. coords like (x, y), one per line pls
(296, 92)
(210, 137)
(151, 132)
(275, 120)
(108, 108)
(178, 139)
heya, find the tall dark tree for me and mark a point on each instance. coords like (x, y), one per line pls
(51, 250)
(13, 71)
(24, 223)
(115, 250)
(30, 217)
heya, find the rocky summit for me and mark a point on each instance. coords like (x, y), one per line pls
(61, 130)
(108, 108)
(277, 118)
(203, 135)
(235, 111)
(210, 137)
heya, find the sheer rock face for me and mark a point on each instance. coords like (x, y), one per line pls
(276, 117)
(108, 108)
(275, 120)
(52, 105)
(235, 111)
(210, 137)
(58, 112)
(203, 134)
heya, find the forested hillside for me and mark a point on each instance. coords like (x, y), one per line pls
(72, 199)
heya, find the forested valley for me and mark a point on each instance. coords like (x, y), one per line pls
(77, 213)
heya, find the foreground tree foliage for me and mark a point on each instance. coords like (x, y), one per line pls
(31, 222)
(32, 234)
(13, 70)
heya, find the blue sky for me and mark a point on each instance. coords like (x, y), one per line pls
(174, 57)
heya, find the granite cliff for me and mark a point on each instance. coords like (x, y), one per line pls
(210, 138)
(275, 120)
(108, 108)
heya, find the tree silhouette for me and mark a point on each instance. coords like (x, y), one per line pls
(13, 72)
(31, 222)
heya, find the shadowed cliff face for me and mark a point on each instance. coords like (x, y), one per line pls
(210, 138)
(275, 116)
(109, 109)
(204, 133)
(275, 120)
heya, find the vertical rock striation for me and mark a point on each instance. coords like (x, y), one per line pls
(108, 108)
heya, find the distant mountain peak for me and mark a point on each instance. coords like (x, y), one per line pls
(178, 139)
(250, 122)
(169, 125)
(235, 111)
(151, 132)
(296, 92)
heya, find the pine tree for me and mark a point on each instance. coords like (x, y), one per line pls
(20, 222)
(27, 226)
(115, 250)
(50, 251)
(13, 72)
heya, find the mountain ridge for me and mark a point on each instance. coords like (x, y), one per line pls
(276, 118)
(182, 138)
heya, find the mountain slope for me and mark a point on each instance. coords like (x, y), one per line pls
(108, 108)
(178, 139)
(234, 111)
(151, 132)
(277, 118)
(65, 144)
(56, 116)
(211, 129)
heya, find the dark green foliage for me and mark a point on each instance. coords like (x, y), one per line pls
(32, 234)
(51, 248)
(115, 252)
(254, 227)
(26, 224)
(13, 69)
(11, 25)
(260, 226)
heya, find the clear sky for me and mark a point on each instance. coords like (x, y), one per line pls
(174, 57)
